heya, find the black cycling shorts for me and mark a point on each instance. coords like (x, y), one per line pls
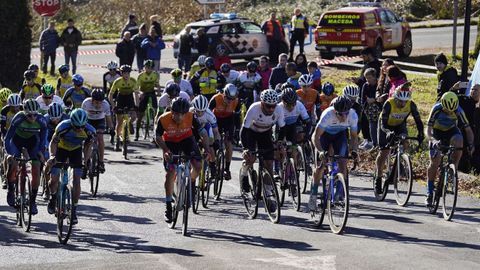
(97, 124)
(262, 140)
(188, 147)
(124, 101)
(382, 136)
(142, 105)
(444, 137)
(74, 157)
(227, 126)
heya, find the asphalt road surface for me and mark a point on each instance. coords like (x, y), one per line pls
(123, 228)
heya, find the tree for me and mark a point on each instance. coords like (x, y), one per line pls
(16, 41)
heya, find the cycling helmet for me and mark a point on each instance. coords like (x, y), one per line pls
(77, 80)
(4, 94)
(287, 85)
(47, 90)
(125, 68)
(305, 80)
(63, 68)
(200, 103)
(328, 88)
(231, 91)
(201, 60)
(149, 63)
(112, 65)
(30, 106)
(269, 97)
(289, 96)
(55, 110)
(449, 101)
(209, 63)
(180, 105)
(173, 89)
(402, 95)
(176, 72)
(29, 75)
(252, 66)
(351, 91)
(33, 67)
(221, 49)
(98, 94)
(341, 104)
(78, 118)
(225, 67)
(14, 100)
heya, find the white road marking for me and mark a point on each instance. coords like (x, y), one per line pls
(289, 259)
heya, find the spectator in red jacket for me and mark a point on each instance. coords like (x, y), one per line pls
(265, 71)
(221, 57)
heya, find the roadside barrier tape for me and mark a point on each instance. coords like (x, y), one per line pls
(321, 62)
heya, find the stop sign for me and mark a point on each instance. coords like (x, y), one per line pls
(46, 7)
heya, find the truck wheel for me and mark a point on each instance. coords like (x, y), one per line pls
(406, 48)
(378, 48)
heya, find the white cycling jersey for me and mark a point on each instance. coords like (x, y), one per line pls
(232, 76)
(257, 121)
(330, 123)
(164, 101)
(207, 117)
(184, 85)
(291, 117)
(96, 113)
(248, 80)
(44, 106)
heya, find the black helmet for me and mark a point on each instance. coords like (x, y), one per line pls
(33, 67)
(289, 96)
(173, 89)
(225, 67)
(97, 94)
(149, 63)
(180, 105)
(252, 66)
(125, 68)
(29, 74)
(341, 104)
(209, 63)
(287, 85)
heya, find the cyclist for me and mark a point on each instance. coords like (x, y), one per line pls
(171, 92)
(37, 79)
(250, 84)
(225, 106)
(75, 95)
(293, 75)
(64, 80)
(257, 131)
(352, 92)
(331, 133)
(230, 75)
(326, 97)
(124, 89)
(308, 96)
(148, 84)
(201, 64)
(110, 76)
(98, 112)
(13, 106)
(27, 130)
(174, 134)
(4, 94)
(67, 141)
(47, 97)
(392, 123)
(30, 89)
(443, 126)
(185, 85)
(205, 80)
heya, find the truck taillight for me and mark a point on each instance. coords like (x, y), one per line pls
(362, 37)
(322, 34)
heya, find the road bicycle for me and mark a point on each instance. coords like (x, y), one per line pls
(219, 168)
(93, 167)
(149, 118)
(289, 181)
(64, 203)
(23, 192)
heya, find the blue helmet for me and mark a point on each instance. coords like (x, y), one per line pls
(77, 80)
(78, 117)
(328, 88)
(63, 68)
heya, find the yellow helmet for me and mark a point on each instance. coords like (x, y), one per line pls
(4, 93)
(449, 101)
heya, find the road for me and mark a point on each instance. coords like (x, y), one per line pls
(123, 228)
(95, 56)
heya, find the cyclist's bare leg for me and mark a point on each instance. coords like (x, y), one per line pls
(194, 172)
(456, 141)
(12, 169)
(76, 187)
(119, 125)
(35, 175)
(380, 161)
(228, 150)
(169, 183)
(101, 145)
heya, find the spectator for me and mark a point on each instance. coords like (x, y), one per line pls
(185, 50)
(156, 25)
(299, 30)
(125, 50)
(265, 71)
(279, 74)
(153, 45)
(371, 107)
(275, 35)
(301, 62)
(202, 42)
(396, 78)
(221, 56)
(71, 38)
(49, 42)
(475, 96)
(383, 85)
(447, 75)
(137, 42)
(131, 26)
(293, 75)
(316, 74)
(369, 61)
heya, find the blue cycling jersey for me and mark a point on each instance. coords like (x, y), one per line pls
(69, 138)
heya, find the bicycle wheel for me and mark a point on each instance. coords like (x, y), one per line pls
(25, 205)
(206, 184)
(293, 185)
(270, 197)
(300, 168)
(338, 204)
(125, 137)
(197, 192)
(220, 164)
(250, 198)
(402, 183)
(186, 205)
(450, 190)
(175, 211)
(437, 194)
(94, 174)
(387, 174)
(64, 213)
(283, 183)
(318, 215)
(43, 183)
(18, 204)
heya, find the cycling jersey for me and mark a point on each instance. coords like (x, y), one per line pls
(326, 100)
(44, 107)
(232, 76)
(123, 87)
(207, 81)
(223, 109)
(164, 101)
(63, 84)
(250, 81)
(76, 97)
(30, 91)
(172, 131)
(51, 126)
(330, 123)
(147, 82)
(26, 131)
(108, 80)
(39, 80)
(257, 121)
(185, 86)
(96, 113)
(207, 118)
(309, 98)
(69, 138)
(291, 117)
(6, 117)
(444, 121)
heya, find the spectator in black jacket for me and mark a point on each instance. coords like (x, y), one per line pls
(71, 38)
(369, 61)
(201, 43)
(185, 50)
(447, 75)
(371, 108)
(137, 41)
(49, 42)
(156, 25)
(279, 74)
(131, 26)
(125, 50)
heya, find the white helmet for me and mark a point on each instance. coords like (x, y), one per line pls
(230, 90)
(305, 80)
(351, 91)
(402, 95)
(269, 96)
(200, 103)
(112, 65)
(14, 100)
(201, 60)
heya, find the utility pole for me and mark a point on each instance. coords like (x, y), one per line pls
(455, 17)
(466, 37)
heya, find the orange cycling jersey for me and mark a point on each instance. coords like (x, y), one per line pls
(174, 132)
(223, 109)
(308, 98)
(325, 101)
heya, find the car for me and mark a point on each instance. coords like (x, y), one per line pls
(242, 38)
(348, 30)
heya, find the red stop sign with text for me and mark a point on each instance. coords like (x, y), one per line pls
(46, 7)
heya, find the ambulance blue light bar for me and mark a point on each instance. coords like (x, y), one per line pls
(223, 16)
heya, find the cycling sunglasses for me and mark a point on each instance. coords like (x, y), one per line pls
(270, 106)
(342, 113)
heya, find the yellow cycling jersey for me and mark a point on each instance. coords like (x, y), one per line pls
(397, 115)
(32, 91)
(123, 87)
(208, 82)
(63, 84)
(147, 82)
